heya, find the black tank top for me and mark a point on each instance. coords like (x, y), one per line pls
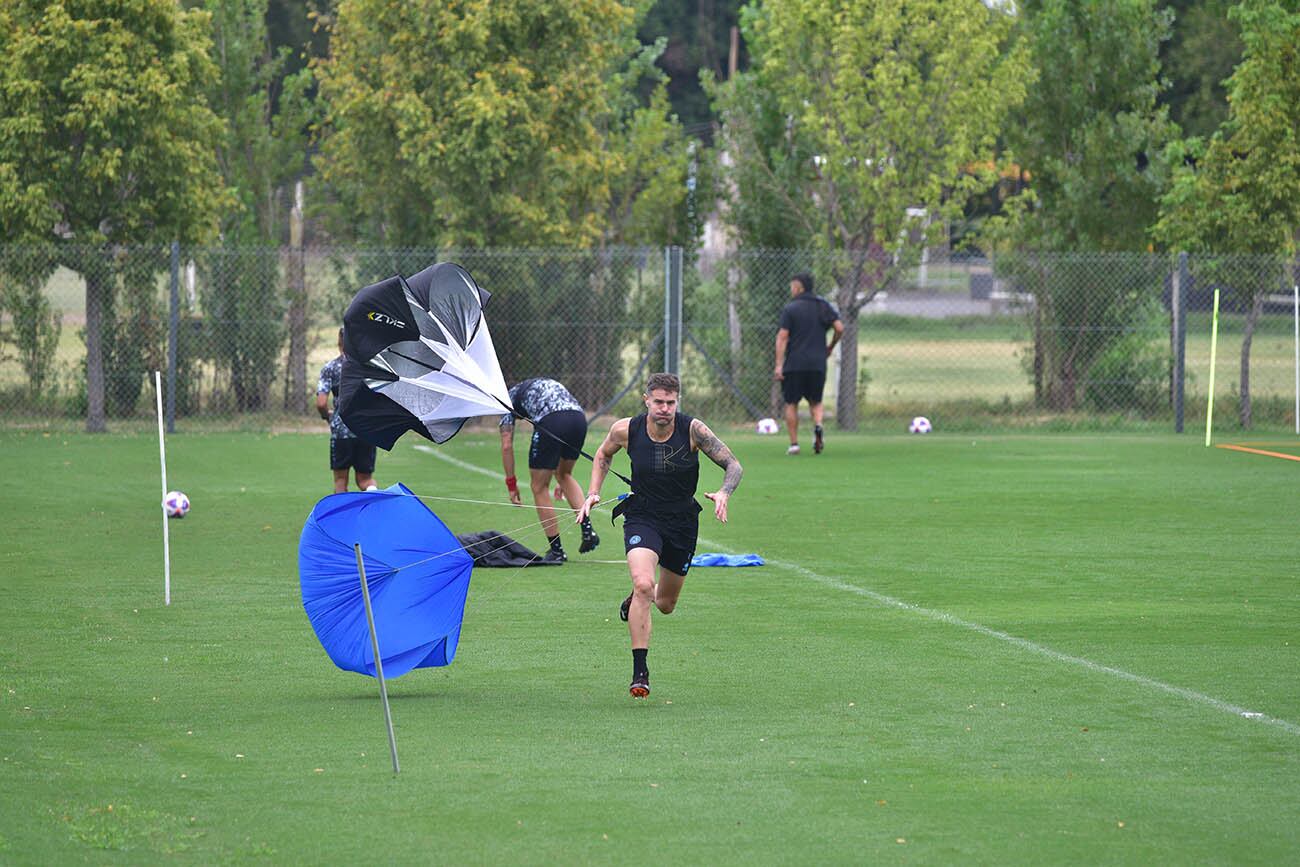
(664, 475)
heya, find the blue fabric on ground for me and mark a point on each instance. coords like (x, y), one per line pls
(417, 572)
(726, 560)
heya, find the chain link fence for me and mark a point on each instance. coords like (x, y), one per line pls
(1077, 341)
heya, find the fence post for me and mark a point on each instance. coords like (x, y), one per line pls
(295, 398)
(672, 309)
(173, 330)
(1178, 305)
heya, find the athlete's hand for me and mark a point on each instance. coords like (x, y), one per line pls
(587, 505)
(515, 498)
(719, 505)
(778, 374)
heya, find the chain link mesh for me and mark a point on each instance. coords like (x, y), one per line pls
(1073, 340)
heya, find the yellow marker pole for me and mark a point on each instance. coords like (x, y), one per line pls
(1214, 347)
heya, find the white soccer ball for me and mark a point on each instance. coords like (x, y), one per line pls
(176, 504)
(766, 426)
(919, 425)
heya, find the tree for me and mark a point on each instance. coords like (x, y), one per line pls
(470, 124)
(1203, 48)
(509, 125)
(698, 34)
(894, 101)
(1090, 137)
(264, 150)
(105, 141)
(1240, 192)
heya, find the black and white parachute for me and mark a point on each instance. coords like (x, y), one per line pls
(419, 357)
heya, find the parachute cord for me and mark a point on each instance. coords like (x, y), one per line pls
(489, 502)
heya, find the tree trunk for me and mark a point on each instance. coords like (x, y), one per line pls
(1252, 319)
(846, 401)
(96, 286)
(295, 401)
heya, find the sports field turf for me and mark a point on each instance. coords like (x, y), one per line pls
(993, 649)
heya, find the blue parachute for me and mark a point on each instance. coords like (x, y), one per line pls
(417, 572)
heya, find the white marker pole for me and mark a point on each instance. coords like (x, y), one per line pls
(379, 666)
(1214, 346)
(162, 504)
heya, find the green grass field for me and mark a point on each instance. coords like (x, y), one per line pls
(1001, 649)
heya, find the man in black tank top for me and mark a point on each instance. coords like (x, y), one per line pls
(661, 516)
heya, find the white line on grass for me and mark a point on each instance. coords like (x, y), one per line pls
(945, 617)
(464, 465)
(1025, 644)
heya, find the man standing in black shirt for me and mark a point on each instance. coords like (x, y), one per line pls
(661, 516)
(801, 353)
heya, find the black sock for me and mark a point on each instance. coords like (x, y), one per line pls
(555, 543)
(817, 428)
(586, 527)
(638, 661)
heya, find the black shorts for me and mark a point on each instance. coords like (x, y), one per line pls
(803, 384)
(674, 543)
(350, 452)
(546, 452)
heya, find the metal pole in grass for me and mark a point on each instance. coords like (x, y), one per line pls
(1214, 347)
(162, 503)
(379, 666)
(1295, 325)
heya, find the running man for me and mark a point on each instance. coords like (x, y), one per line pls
(549, 405)
(661, 518)
(346, 450)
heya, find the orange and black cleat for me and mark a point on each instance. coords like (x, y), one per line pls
(640, 687)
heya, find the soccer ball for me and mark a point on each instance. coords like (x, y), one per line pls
(176, 504)
(766, 426)
(919, 425)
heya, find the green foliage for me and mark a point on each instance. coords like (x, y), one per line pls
(1091, 133)
(698, 44)
(105, 140)
(890, 129)
(491, 124)
(243, 318)
(1087, 307)
(868, 113)
(1132, 373)
(1240, 191)
(1091, 137)
(106, 136)
(1204, 46)
(267, 115)
(33, 327)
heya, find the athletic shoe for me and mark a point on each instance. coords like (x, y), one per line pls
(640, 687)
(818, 443)
(622, 609)
(793, 450)
(553, 556)
(589, 542)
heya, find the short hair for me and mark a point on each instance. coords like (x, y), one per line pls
(805, 279)
(340, 334)
(665, 381)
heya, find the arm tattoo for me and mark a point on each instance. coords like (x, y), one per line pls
(718, 452)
